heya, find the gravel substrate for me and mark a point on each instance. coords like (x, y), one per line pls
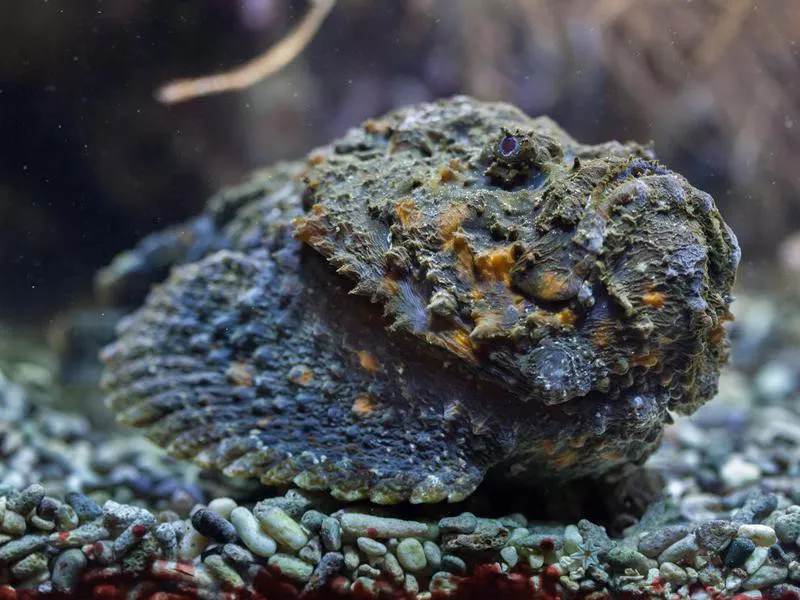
(88, 514)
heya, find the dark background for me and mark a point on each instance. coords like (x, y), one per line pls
(90, 162)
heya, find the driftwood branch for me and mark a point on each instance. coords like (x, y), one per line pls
(261, 67)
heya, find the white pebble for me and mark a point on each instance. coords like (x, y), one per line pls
(756, 559)
(223, 506)
(762, 535)
(281, 527)
(252, 536)
(192, 545)
(738, 473)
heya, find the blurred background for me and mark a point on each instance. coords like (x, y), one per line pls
(90, 161)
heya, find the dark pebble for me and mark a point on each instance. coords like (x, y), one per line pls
(757, 507)
(331, 564)
(211, 525)
(86, 508)
(715, 535)
(738, 552)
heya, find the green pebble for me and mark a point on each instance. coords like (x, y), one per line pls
(291, 567)
(370, 547)
(281, 527)
(223, 571)
(411, 555)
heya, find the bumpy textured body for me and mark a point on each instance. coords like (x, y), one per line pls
(451, 292)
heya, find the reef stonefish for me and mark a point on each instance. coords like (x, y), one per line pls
(449, 293)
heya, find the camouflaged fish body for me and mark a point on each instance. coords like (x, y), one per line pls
(452, 291)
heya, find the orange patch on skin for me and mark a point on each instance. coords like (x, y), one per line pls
(496, 264)
(603, 335)
(455, 164)
(368, 361)
(646, 360)
(548, 447)
(309, 228)
(450, 221)
(566, 317)
(240, 374)
(486, 325)
(301, 375)
(654, 299)
(317, 158)
(717, 335)
(407, 213)
(264, 421)
(376, 127)
(552, 285)
(565, 459)
(457, 342)
(389, 287)
(446, 175)
(463, 252)
(364, 405)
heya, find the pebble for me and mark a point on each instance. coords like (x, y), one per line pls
(410, 586)
(212, 525)
(681, 552)
(237, 555)
(66, 570)
(87, 533)
(454, 564)
(13, 523)
(756, 508)
(510, 555)
(31, 565)
(132, 536)
(24, 502)
(357, 525)
(67, 518)
(331, 533)
(351, 559)
(14, 550)
(738, 552)
(658, 540)
(432, 554)
(85, 508)
(673, 574)
(738, 473)
(715, 535)
(165, 534)
(331, 564)
(311, 552)
(312, 520)
(293, 504)
(463, 523)
(223, 506)
(623, 558)
(291, 567)
(256, 540)
(391, 567)
(224, 572)
(281, 527)
(411, 555)
(370, 547)
(756, 559)
(191, 545)
(787, 527)
(766, 576)
(573, 540)
(760, 534)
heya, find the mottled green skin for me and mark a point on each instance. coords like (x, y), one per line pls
(452, 292)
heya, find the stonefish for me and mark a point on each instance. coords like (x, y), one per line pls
(450, 293)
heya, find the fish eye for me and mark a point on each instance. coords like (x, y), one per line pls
(509, 146)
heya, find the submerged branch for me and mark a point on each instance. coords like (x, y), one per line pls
(261, 67)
